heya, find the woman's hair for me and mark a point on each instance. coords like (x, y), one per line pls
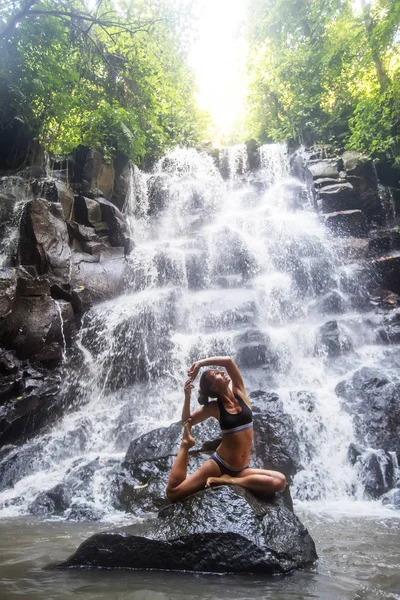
(205, 391)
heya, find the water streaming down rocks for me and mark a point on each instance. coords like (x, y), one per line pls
(226, 261)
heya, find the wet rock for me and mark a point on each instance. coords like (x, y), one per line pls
(331, 341)
(122, 181)
(98, 277)
(219, 530)
(87, 211)
(346, 223)
(374, 402)
(360, 172)
(352, 248)
(118, 231)
(253, 154)
(8, 286)
(387, 272)
(234, 256)
(34, 403)
(44, 240)
(275, 441)
(331, 303)
(322, 169)
(337, 197)
(389, 332)
(66, 199)
(85, 513)
(33, 329)
(353, 452)
(98, 174)
(253, 349)
(375, 471)
(392, 498)
(159, 194)
(52, 502)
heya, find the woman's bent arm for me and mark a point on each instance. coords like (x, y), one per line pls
(219, 361)
(186, 404)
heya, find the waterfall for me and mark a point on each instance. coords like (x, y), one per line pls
(14, 192)
(212, 261)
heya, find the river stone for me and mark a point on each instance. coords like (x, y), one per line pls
(221, 530)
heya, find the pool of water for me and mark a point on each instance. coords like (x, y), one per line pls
(359, 559)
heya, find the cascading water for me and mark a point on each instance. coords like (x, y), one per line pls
(14, 192)
(215, 263)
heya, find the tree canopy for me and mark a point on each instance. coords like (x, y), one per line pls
(99, 74)
(326, 71)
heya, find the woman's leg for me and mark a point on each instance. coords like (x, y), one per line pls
(255, 480)
(179, 486)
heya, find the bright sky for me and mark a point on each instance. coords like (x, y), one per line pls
(219, 60)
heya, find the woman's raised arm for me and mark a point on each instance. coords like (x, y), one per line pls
(219, 361)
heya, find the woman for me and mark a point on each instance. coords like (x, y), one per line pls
(230, 463)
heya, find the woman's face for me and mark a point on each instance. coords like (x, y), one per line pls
(219, 380)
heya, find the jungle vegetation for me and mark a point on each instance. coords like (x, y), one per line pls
(99, 73)
(326, 71)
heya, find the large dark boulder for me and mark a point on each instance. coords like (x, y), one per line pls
(337, 197)
(361, 174)
(29, 399)
(98, 276)
(346, 223)
(98, 174)
(386, 270)
(44, 240)
(219, 530)
(33, 329)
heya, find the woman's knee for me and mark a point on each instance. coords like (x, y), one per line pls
(280, 482)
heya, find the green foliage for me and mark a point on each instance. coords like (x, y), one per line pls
(98, 77)
(322, 72)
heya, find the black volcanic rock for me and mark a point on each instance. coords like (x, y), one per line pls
(224, 529)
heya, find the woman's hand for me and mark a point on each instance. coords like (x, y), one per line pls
(193, 371)
(188, 388)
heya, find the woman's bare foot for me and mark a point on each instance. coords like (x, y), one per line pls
(223, 480)
(187, 438)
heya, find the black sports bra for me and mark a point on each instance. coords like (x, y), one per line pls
(234, 423)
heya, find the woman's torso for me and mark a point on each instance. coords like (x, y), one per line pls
(237, 435)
